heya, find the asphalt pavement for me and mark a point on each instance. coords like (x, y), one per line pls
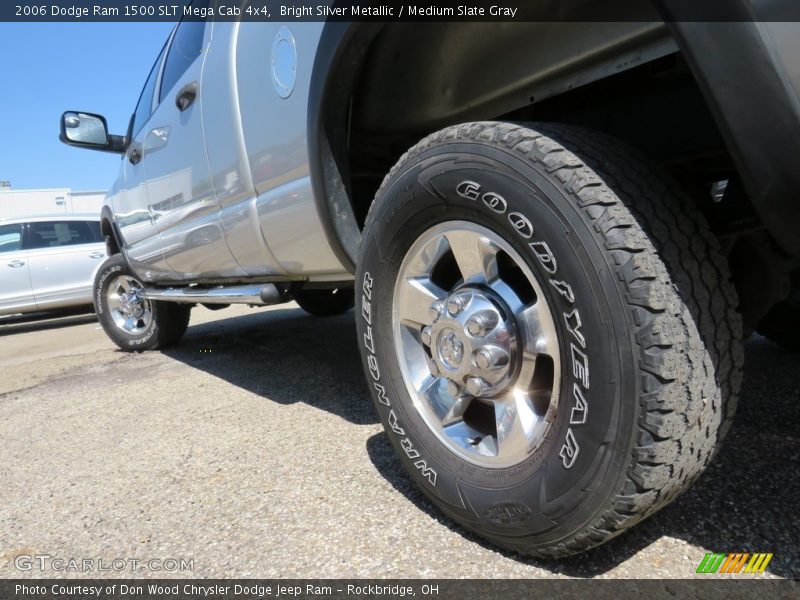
(252, 450)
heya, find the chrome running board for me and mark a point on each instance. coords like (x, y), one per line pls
(261, 294)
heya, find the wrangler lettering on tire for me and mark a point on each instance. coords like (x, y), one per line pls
(549, 332)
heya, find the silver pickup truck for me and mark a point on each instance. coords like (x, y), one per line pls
(555, 235)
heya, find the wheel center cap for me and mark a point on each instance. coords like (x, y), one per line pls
(451, 350)
(473, 341)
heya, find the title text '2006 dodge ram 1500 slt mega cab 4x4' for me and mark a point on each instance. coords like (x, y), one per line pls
(555, 236)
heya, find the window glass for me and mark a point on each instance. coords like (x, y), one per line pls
(187, 44)
(94, 227)
(145, 104)
(52, 234)
(10, 238)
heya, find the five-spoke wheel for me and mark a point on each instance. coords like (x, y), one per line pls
(129, 310)
(476, 343)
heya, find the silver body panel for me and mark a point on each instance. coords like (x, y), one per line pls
(275, 139)
(40, 279)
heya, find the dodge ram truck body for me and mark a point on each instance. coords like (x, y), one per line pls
(555, 234)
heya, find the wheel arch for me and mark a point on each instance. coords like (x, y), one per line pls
(358, 78)
(109, 231)
(341, 50)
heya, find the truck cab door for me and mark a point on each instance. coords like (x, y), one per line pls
(128, 197)
(182, 201)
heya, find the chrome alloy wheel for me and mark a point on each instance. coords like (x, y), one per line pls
(476, 344)
(130, 312)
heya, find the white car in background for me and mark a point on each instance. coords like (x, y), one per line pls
(48, 262)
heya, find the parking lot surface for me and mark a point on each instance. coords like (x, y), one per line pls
(252, 450)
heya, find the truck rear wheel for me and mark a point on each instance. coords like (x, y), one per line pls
(548, 330)
(134, 323)
(325, 303)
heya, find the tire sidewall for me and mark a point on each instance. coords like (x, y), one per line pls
(582, 461)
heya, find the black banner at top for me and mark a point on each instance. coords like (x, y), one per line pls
(400, 10)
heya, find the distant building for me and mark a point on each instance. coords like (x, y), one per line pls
(26, 203)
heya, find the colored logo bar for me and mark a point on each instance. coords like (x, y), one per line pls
(734, 562)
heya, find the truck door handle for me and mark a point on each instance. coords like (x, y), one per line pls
(135, 156)
(186, 96)
(16, 263)
(97, 254)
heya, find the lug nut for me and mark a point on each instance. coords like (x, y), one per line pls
(491, 357)
(475, 386)
(456, 304)
(483, 358)
(435, 310)
(482, 323)
(476, 326)
(453, 389)
(426, 336)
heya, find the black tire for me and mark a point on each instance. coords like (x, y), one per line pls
(325, 303)
(659, 332)
(167, 325)
(782, 323)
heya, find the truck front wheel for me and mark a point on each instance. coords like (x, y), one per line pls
(548, 330)
(134, 323)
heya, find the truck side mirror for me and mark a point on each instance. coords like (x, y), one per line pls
(88, 130)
